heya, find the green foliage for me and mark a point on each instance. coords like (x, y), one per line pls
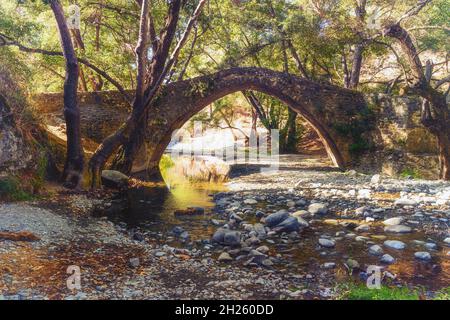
(361, 292)
(410, 173)
(11, 189)
(443, 294)
(165, 164)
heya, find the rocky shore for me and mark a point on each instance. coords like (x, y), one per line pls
(293, 234)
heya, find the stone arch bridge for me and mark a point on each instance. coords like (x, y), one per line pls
(337, 115)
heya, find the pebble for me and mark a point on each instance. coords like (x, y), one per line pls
(326, 243)
(387, 259)
(405, 202)
(376, 250)
(250, 201)
(395, 244)
(318, 208)
(425, 256)
(134, 262)
(398, 229)
(393, 221)
(329, 265)
(225, 257)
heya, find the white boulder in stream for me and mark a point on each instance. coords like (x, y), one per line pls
(393, 221)
(398, 229)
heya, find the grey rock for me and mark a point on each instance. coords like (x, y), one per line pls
(329, 265)
(376, 250)
(288, 225)
(276, 218)
(387, 259)
(425, 256)
(395, 244)
(398, 229)
(405, 202)
(225, 257)
(250, 201)
(447, 241)
(393, 221)
(114, 179)
(327, 243)
(318, 208)
(363, 228)
(134, 262)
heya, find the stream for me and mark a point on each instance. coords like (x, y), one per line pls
(151, 211)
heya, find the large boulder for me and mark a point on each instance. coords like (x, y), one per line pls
(288, 225)
(114, 179)
(276, 218)
(227, 237)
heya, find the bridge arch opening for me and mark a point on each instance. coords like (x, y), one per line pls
(236, 122)
(321, 105)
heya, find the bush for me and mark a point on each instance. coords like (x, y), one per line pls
(11, 189)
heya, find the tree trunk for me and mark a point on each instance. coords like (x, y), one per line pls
(356, 66)
(444, 154)
(73, 168)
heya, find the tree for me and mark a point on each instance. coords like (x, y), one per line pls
(129, 138)
(73, 168)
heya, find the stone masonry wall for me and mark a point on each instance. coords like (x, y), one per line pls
(399, 143)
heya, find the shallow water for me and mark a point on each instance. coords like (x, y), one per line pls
(151, 209)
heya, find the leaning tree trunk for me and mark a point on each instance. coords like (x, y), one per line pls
(435, 111)
(73, 168)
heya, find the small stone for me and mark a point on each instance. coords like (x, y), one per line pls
(329, 265)
(387, 259)
(134, 262)
(288, 225)
(160, 254)
(363, 228)
(263, 249)
(318, 208)
(250, 201)
(395, 244)
(301, 214)
(376, 179)
(398, 229)
(431, 246)
(376, 250)
(290, 204)
(276, 218)
(225, 257)
(393, 221)
(302, 222)
(447, 241)
(405, 202)
(327, 243)
(425, 256)
(267, 263)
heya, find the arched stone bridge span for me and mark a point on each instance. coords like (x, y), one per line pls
(327, 108)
